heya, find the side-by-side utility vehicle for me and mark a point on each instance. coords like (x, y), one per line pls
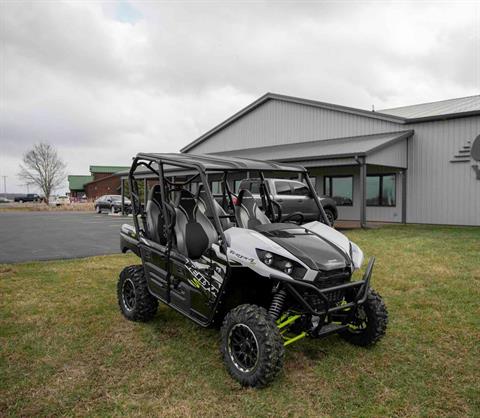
(267, 280)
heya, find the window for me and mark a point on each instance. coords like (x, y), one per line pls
(216, 187)
(340, 189)
(236, 186)
(255, 187)
(283, 187)
(381, 190)
(299, 189)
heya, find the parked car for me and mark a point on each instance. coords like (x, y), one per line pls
(292, 196)
(30, 197)
(4, 200)
(112, 203)
(59, 200)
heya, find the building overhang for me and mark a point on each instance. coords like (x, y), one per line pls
(388, 148)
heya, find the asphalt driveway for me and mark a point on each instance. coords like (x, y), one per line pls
(27, 236)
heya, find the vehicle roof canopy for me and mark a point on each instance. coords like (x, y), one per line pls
(218, 163)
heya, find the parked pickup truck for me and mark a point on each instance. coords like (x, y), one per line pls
(30, 197)
(292, 196)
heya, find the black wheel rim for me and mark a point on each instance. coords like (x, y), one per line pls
(243, 348)
(128, 294)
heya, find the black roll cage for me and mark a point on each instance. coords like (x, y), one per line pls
(147, 161)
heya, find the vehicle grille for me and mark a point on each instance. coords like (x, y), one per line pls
(332, 278)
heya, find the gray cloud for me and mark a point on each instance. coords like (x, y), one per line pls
(103, 81)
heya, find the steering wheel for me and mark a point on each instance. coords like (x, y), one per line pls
(295, 215)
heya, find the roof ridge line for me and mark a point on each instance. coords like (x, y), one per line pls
(426, 103)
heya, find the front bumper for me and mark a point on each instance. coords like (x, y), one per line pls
(360, 289)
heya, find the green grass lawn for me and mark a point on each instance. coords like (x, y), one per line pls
(65, 348)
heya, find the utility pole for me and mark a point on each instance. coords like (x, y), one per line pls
(4, 184)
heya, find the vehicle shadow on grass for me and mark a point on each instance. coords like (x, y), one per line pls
(195, 352)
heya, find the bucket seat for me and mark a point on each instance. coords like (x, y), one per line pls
(193, 230)
(155, 222)
(202, 206)
(247, 212)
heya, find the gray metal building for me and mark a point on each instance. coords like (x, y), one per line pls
(409, 164)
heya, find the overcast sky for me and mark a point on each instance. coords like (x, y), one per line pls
(104, 80)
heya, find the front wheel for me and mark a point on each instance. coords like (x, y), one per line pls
(97, 209)
(370, 322)
(251, 346)
(135, 300)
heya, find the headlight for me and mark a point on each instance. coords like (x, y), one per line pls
(288, 267)
(268, 258)
(283, 264)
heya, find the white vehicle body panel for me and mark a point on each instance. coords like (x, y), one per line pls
(242, 244)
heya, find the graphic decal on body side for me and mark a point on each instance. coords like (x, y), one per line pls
(209, 286)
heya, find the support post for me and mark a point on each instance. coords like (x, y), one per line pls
(363, 194)
(145, 194)
(122, 192)
(404, 196)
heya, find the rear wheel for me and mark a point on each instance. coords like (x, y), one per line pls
(330, 216)
(135, 300)
(252, 346)
(370, 322)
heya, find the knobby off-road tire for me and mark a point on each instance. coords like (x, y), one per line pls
(135, 301)
(258, 330)
(372, 320)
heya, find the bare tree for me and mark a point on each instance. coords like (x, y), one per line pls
(43, 167)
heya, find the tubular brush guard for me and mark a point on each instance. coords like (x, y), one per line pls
(341, 313)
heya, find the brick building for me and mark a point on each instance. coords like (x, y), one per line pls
(102, 180)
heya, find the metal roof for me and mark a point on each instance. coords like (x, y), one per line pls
(446, 109)
(109, 169)
(78, 182)
(218, 163)
(436, 109)
(331, 148)
(290, 99)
